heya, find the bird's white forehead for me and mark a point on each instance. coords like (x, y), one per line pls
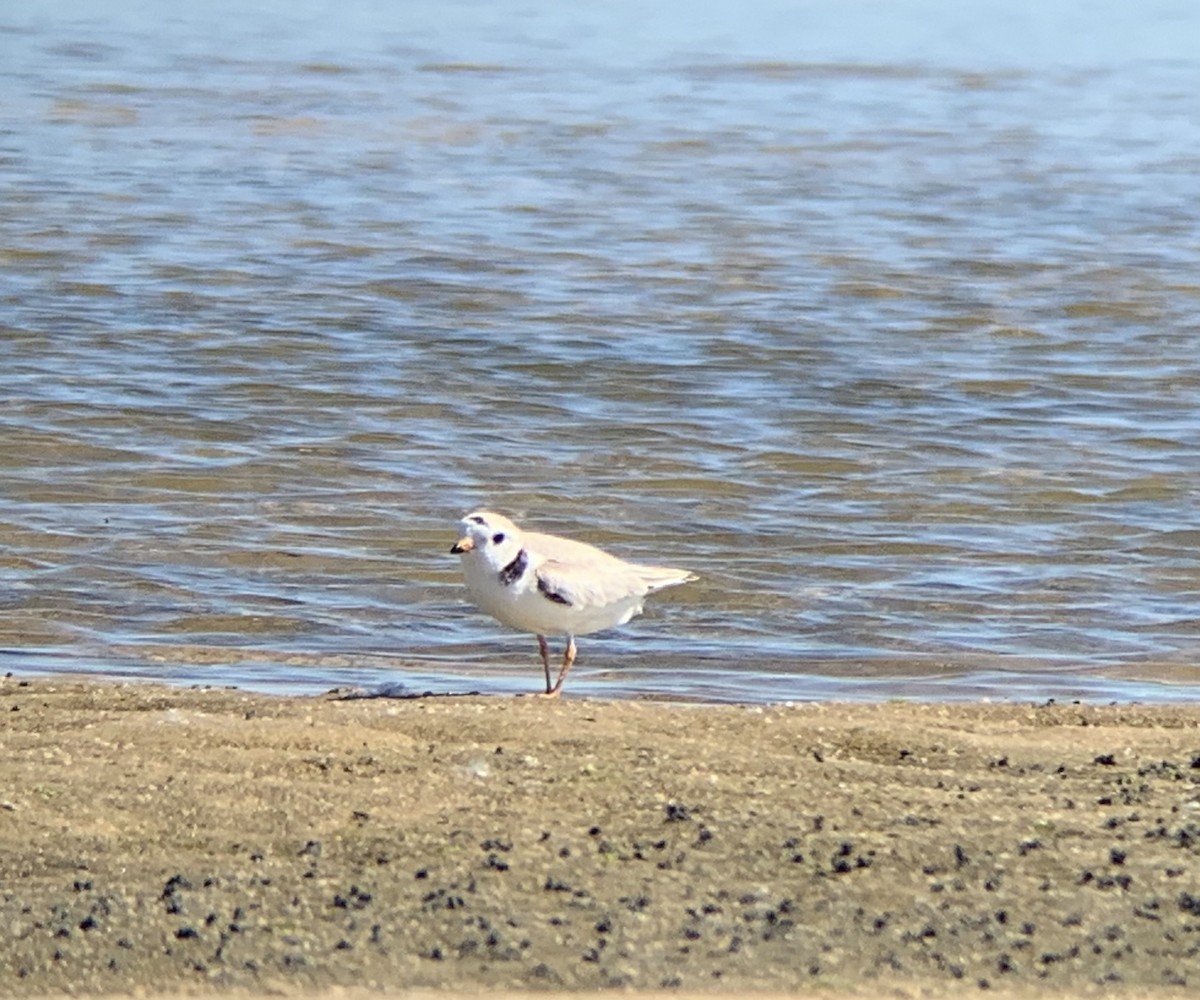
(483, 521)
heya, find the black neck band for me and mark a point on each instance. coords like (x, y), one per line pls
(514, 570)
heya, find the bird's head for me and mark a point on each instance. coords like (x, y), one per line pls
(488, 536)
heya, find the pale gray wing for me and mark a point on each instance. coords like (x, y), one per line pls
(575, 573)
(581, 586)
(602, 583)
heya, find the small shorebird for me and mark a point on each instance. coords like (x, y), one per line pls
(549, 585)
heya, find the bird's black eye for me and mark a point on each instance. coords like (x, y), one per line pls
(498, 537)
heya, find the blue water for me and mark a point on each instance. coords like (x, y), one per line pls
(878, 316)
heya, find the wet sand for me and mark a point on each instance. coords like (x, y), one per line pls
(164, 841)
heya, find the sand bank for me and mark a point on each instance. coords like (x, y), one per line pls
(164, 841)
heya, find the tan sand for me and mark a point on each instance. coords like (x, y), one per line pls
(165, 841)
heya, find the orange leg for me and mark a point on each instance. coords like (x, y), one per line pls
(545, 659)
(555, 689)
(567, 663)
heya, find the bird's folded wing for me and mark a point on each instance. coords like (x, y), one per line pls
(584, 587)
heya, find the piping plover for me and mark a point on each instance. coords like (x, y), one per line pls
(549, 585)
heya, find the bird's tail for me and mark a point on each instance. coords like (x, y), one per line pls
(658, 577)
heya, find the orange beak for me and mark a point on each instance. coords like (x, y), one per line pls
(464, 544)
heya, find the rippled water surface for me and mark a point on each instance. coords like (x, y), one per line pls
(881, 318)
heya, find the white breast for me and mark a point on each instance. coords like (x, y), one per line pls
(521, 605)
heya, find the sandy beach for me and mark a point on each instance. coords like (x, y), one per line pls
(210, 841)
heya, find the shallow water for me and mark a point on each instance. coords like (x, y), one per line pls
(885, 327)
